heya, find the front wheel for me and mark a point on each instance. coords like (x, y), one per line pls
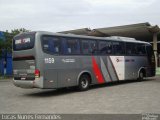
(84, 82)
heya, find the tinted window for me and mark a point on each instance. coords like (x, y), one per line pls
(71, 46)
(51, 44)
(105, 47)
(130, 48)
(93, 46)
(85, 47)
(140, 49)
(89, 47)
(118, 48)
(24, 42)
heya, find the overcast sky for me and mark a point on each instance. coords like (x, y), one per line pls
(61, 15)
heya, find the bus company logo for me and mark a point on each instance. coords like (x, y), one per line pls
(22, 41)
(119, 59)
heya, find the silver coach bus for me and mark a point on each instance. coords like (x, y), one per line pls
(53, 60)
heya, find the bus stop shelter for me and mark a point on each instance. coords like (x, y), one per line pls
(141, 31)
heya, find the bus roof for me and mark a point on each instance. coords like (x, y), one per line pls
(112, 38)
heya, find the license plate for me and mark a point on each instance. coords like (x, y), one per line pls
(23, 78)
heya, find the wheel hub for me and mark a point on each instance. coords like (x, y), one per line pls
(84, 83)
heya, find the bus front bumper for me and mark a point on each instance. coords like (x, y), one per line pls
(37, 83)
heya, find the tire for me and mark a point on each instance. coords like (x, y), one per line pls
(141, 76)
(84, 82)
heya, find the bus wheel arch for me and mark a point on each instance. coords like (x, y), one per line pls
(141, 73)
(84, 81)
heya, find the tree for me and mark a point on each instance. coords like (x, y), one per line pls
(7, 43)
(2, 46)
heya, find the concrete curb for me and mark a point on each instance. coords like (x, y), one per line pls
(6, 80)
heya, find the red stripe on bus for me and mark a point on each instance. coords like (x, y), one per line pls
(97, 71)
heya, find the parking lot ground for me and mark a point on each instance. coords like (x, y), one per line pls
(125, 97)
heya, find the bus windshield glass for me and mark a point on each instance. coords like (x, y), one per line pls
(23, 42)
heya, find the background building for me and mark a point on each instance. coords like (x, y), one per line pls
(5, 59)
(141, 31)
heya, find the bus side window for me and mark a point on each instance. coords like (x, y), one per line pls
(85, 46)
(89, 47)
(71, 46)
(102, 47)
(140, 49)
(130, 48)
(93, 47)
(118, 48)
(105, 47)
(51, 44)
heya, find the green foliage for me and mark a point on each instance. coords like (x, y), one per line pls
(17, 31)
(7, 44)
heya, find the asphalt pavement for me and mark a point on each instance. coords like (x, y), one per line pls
(125, 97)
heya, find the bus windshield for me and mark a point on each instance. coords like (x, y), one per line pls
(24, 42)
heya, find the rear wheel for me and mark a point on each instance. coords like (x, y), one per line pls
(141, 76)
(84, 82)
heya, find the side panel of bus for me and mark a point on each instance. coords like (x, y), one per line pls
(63, 71)
(132, 66)
(66, 70)
(111, 71)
